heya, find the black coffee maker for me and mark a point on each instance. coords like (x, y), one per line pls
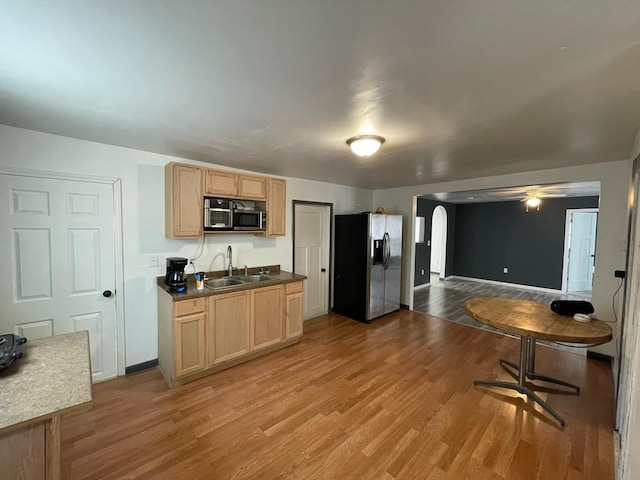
(174, 278)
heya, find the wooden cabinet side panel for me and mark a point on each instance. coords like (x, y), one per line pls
(165, 335)
(22, 453)
(276, 207)
(228, 332)
(253, 187)
(267, 317)
(220, 183)
(189, 337)
(293, 314)
(53, 442)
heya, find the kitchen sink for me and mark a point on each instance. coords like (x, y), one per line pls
(222, 282)
(258, 277)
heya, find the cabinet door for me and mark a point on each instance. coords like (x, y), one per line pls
(228, 334)
(276, 204)
(189, 338)
(266, 317)
(252, 187)
(220, 183)
(294, 305)
(183, 201)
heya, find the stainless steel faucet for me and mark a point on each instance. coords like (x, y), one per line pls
(229, 255)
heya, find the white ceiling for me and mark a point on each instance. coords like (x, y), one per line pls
(460, 89)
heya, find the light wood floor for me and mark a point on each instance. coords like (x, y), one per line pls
(389, 400)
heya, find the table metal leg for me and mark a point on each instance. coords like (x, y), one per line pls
(520, 387)
(530, 371)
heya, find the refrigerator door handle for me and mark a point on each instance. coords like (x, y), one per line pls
(387, 250)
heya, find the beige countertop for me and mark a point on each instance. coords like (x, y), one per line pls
(279, 276)
(53, 377)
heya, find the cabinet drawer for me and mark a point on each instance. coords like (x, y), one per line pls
(187, 307)
(294, 287)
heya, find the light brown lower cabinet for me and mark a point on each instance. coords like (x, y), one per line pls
(266, 317)
(190, 344)
(203, 335)
(228, 328)
(293, 308)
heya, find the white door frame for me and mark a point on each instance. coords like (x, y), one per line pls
(443, 240)
(329, 240)
(567, 242)
(117, 230)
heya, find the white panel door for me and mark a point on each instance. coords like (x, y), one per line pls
(582, 247)
(58, 259)
(312, 256)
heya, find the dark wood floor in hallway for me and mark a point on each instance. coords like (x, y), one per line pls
(389, 400)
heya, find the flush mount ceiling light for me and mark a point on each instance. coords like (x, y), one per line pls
(365, 145)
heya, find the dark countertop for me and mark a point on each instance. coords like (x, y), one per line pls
(279, 277)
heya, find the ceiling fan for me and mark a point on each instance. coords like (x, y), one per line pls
(534, 194)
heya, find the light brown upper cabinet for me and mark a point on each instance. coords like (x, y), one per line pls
(276, 205)
(250, 186)
(220, 183)
(234, 185)
(183, 200)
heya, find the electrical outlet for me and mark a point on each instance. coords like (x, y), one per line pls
(153, 261)
(619, 274)
(505, 270)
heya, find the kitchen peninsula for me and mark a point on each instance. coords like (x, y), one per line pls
(52, 379)
(201, 332)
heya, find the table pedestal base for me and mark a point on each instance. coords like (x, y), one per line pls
(526, 370)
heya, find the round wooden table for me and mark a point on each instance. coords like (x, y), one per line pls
(533, 321)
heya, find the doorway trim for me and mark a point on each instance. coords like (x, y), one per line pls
(567, 241)
(443, 240)
(116, 184)
(293, 241)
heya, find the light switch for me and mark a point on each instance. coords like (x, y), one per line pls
(153, 261)
(505, 270)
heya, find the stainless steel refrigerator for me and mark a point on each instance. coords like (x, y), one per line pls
(368, 259)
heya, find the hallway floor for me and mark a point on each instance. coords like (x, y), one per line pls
(445, 299)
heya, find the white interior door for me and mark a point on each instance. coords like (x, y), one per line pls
(311, 234)
(58, 258)
(582, 247)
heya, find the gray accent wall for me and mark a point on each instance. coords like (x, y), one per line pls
(492, 236)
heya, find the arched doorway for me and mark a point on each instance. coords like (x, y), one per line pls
(438, 242)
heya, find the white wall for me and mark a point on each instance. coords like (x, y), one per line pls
(615, 178)
(142, 177)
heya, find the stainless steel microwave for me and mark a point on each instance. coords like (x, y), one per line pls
(249, 220)
(218, 214)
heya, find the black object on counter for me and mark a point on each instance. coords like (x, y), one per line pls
(10, 350)
(174, 277)
(571, 307)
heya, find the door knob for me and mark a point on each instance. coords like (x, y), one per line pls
(323, 270)
(106, 293)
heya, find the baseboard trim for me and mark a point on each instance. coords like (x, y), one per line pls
(140, 366)
(421, 286)
(404, 307)
(507, 284)
(603, 357)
